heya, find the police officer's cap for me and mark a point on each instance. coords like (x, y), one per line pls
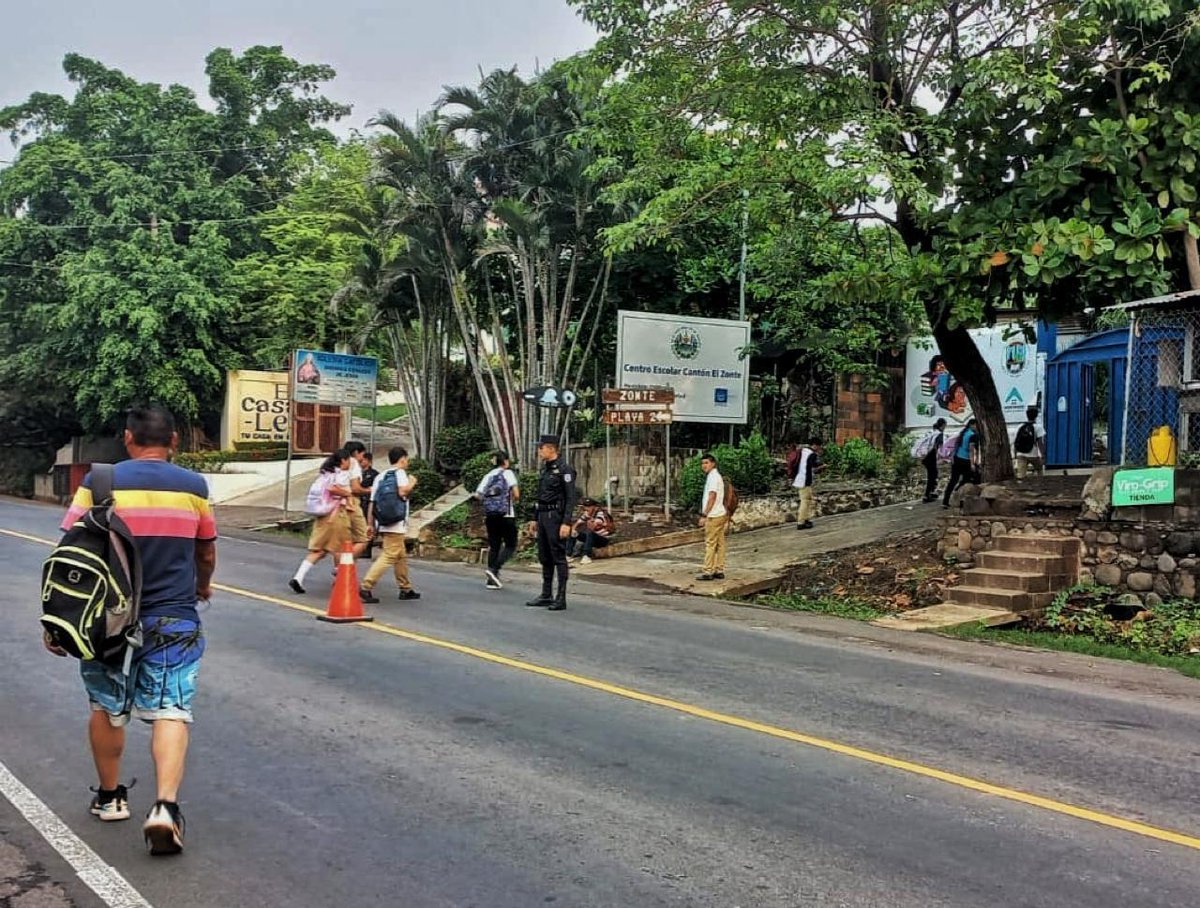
(548, 440)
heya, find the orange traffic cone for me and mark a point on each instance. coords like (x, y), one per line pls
(345, 604)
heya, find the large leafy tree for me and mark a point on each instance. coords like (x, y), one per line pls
(918, 115)
(120, 224)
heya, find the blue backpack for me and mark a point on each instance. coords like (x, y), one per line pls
(495, 495)
(390, 508)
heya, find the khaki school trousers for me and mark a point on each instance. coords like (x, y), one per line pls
(395, 556)
(714, 544)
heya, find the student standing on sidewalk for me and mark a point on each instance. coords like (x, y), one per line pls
(499, 491)
(808, 465)
(713, 518)
(395, 480)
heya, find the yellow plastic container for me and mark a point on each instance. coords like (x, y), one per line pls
(1161, 449)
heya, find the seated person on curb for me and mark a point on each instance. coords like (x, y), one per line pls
(591, 531)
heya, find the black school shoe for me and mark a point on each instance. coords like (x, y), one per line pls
(408, 594)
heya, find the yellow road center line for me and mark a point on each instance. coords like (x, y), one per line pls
(867, 756)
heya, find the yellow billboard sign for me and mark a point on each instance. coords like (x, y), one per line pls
(256, 408)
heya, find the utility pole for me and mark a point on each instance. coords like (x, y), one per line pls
(742, 269)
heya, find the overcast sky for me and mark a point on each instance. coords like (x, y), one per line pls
(395, 55)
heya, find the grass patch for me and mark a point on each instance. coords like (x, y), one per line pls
(1072, 643)
(386, 413)
(838, 606)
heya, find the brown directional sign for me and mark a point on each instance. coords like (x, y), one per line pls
(637, 417)
(660, 396)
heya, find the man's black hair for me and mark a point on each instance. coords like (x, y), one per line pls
(397, 454)
(151, 427)
(354, 447)
(707, 455)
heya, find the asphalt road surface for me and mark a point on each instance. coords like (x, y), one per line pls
(634, 750)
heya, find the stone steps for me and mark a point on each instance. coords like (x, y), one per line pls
(1017, 563)
(1026, 581)
(1020, 574)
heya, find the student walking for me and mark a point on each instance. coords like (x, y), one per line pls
(167, 511)
(965, 466)
(1029, 447)
(808, 465)
(926, 451)
(389, 508)
(499, 490)
(714, 518)
(330, 495)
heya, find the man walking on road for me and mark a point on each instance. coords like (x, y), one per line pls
(713, 518)
(166, 508)
(395, 481)
(554, 509)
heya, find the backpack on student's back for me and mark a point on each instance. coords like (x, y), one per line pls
(496, 495)
(390, 508)
(731, 498)
(949, 446)
(1026, 439)
(92, 583)
(320, 502)
(923, 445)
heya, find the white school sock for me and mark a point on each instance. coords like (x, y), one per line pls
(302, 571)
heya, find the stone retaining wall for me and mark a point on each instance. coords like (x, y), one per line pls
(831, 498)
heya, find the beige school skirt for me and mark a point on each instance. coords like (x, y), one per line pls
(330, 532)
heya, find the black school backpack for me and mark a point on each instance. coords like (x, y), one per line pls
(92, 582)
(1026, 439)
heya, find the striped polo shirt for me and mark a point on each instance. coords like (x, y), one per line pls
(167, 509)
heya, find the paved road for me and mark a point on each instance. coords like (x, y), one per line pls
(635, 750)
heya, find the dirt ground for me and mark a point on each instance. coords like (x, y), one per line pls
(899, 573)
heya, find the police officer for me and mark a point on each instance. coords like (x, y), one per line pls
(554, 508)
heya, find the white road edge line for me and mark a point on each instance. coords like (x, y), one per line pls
(103, 879)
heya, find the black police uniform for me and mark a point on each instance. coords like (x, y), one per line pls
(556, 497)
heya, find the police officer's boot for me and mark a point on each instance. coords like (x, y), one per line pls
(560, 601)
(542, 601)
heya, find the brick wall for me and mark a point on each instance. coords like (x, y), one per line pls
(869, 412)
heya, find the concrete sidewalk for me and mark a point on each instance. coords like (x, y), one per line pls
(759, 558)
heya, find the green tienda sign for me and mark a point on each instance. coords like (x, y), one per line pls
(1138, 487)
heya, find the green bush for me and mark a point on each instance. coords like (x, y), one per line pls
(1170, 628)
(475, 469)
(528, 481)
(257, 451)
(458, 444)
(748, 466)
(900, 461)
(855, 458)
(203, 461)
(429, 483)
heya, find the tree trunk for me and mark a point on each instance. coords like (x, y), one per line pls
(1193, 260)
(968, 367)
